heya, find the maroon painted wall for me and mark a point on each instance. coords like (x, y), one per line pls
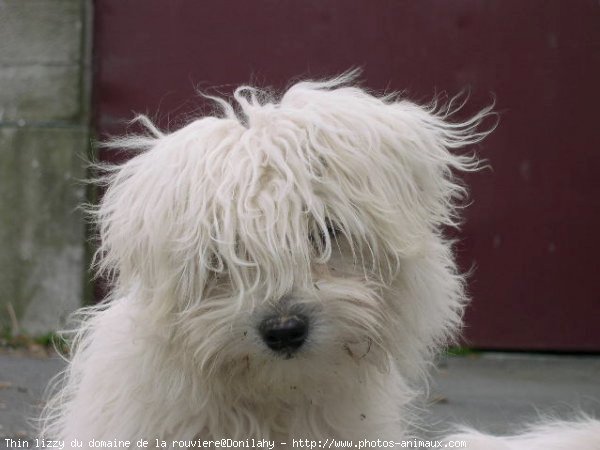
(533, 228)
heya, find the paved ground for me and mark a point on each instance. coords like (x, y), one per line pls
(22, 382)
(493, 392)
(499, 393)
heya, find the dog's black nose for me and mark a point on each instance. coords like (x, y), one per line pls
(284, 334)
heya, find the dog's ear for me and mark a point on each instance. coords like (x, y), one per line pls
(156, 229)
(395, 161)
(434, 149)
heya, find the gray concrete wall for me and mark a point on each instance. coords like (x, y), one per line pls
(44, 142)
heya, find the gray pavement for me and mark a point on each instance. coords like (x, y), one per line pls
(500, 393)
(23, 379)
(493, 392)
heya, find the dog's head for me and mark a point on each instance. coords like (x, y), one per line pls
(287, 240)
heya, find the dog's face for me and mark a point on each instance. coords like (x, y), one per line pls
(298, 244)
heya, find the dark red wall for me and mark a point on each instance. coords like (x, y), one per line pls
(533, 230)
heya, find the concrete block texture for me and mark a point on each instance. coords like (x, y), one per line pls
(42, 262)
(40, 94)
(41, 60)
(44, 115)
(40, 32)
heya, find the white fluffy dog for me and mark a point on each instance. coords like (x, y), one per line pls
(280, 272)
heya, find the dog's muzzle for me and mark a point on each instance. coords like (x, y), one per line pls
(284, 334)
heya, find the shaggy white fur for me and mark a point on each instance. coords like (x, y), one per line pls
(280, 272)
